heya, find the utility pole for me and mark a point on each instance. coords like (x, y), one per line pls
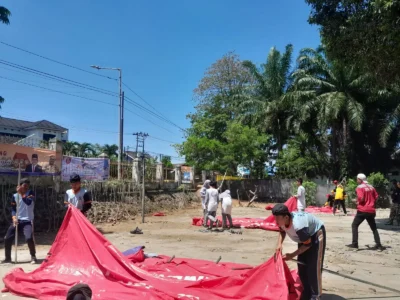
(140, 138)
(121, 117)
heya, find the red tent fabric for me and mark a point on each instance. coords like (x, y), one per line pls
(159, 214)
(81, 254)
(255, 223)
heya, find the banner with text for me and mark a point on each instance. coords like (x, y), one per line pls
(186, 174)
(32, 161)
(91, 169)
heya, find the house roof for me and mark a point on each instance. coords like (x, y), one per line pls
(20, 124)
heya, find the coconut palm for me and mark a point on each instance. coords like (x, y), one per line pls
(4, 15)
(329, 97)
(264, 107)
(85, 150)
(110, 150)
(70, 148)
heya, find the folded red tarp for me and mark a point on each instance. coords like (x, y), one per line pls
(255, 223)
(81, 254)
(159, 214)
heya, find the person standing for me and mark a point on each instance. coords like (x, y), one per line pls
(301, 195)
(77, 196)
(309, 232)
(395, 209)
(212, 204)
(226, 206)
(203, 192)
(25, 199)
(366, 199)
(340, 196)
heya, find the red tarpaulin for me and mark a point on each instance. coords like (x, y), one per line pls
(81, 254)
(255, 223)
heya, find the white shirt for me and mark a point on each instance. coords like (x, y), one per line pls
(75, 199)
(212, 199)
(301, 198)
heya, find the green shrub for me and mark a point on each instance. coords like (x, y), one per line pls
(377, 180)
(311, 191)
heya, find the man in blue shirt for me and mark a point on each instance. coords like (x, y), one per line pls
(25, 199)
(309, 232)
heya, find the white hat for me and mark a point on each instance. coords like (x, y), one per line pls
(362, 177)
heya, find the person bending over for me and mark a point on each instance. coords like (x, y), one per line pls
(309, 232)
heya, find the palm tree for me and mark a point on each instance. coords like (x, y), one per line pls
(110, 150)
(85, 150)
(4, 15)
(331, 96)
(264, 107)
(70, 148)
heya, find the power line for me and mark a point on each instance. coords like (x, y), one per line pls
(141, 98)
(56, 61)
(156, 138)
(85, 86)
(136, 114)
(134, 103)
(58, 78)
(56, 91)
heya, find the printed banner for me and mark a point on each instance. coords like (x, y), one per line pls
(186, 174)
(91, 169)
(32, 161)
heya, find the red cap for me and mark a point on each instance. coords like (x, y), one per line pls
(335, 181)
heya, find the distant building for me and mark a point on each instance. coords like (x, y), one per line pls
(15, 131)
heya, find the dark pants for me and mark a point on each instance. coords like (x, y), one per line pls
(358, 219)
(395, 213)
(224, 220)
(211, 215)
(24, 227)
(340, 203)
(311, 272)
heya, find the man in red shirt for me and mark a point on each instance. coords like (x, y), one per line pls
(366, 198)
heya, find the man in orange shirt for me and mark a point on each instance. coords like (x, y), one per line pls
(366, 199)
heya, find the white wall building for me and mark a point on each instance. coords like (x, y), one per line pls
(31, 133)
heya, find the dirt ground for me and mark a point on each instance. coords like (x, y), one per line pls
(174, 235)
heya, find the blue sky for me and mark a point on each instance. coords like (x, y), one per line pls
(163, 48)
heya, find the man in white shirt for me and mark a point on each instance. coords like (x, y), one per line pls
(301, 195)
(203, 191)
(212, 204)
(77, 196)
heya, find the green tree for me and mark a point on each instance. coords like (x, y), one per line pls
(5, 15)
(362, 33)
(110, 150)
(166, 161)
(85, 150)
(328, 97)
(70, 148)
(264, 107)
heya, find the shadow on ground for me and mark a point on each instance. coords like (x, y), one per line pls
(41, 238)
(332, 297)
(380, 223)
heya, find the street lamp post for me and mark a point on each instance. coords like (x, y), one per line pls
(121, 116)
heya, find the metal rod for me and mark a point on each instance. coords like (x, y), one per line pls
(218, 260)
(17, 212)
(171, 259)
(353, 278)
(121, 124)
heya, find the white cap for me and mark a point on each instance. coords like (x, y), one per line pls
(362, 177)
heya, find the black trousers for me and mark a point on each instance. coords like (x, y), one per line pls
(24, 227)
(358, 219)
(341, 203)
(311, 272)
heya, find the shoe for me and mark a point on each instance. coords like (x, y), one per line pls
(33, 260)
(378, 248)
(352, 246)
(136, 231)
(6, 261)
